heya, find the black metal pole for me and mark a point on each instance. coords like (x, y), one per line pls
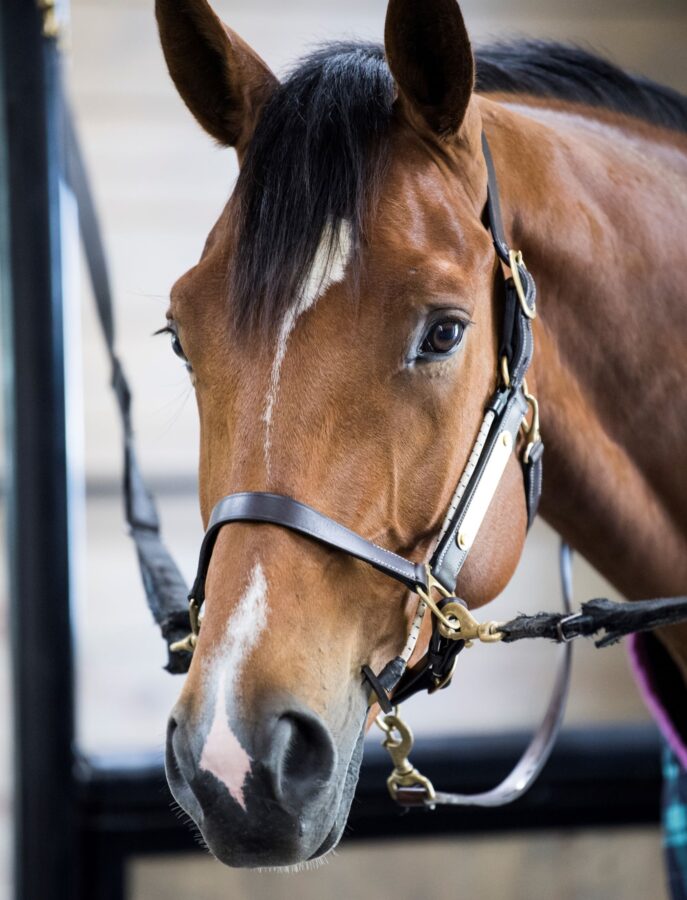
(37, 514)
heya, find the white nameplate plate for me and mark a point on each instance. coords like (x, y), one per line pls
(478, 506)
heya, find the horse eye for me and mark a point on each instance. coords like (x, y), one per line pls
(177, 349)
(443, 337)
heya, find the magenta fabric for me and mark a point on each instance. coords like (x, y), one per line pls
(658, 706)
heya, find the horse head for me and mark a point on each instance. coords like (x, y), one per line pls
(341, 334)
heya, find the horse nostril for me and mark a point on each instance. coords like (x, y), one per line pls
(171, 758)
(302, 757)
(180, 769)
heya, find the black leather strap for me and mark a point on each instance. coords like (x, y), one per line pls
(495, 218)
(533, 473)
(276, 509)
(431, 673)
(516, 341)
(517, 344)
(495, 224)
(448, 558)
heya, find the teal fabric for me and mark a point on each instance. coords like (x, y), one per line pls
(675, 823)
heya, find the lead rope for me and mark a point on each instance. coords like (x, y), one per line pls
(164, 585)
(409, 787)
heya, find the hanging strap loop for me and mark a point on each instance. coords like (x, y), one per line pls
(164, 585)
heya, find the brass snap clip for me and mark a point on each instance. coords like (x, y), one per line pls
(399, 742)
(188, 644)
(456, 622)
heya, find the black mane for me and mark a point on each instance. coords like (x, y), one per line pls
(547, 69)
(316, 160)
(319, 150)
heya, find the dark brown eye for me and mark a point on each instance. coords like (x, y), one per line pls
(443, 337)
(177, 349)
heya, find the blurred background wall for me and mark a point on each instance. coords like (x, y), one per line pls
(160, 184)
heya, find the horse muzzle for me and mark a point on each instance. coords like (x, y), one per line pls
(276, 798)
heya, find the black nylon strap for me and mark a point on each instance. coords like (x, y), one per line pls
(164, 586)
(616, 618)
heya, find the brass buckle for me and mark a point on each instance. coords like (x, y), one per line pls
(532, 432)
(456, 622)
(515, 260)
(399, 742)
(188, 644)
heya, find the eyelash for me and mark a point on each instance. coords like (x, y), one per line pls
(177, 348)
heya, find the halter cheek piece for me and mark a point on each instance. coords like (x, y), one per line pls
(453, 627)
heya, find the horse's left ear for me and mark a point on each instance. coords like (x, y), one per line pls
(430, 57)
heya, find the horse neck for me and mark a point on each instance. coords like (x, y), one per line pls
(596, 204)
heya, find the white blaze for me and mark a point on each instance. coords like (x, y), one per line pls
(328, 268)
(223, 754)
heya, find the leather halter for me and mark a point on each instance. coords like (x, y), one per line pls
(165, 588)
(504, 417)
(453, 626)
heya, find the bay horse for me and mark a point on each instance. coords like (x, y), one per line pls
(341, 331)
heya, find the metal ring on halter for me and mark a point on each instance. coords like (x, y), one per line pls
(459, 624)
(188, 644)
(515, 261)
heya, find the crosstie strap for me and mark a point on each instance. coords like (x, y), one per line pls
(616, 618)
(276, 509)
(164, 585)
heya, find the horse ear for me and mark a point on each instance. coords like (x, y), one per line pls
(430, 57)
(222, 81)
